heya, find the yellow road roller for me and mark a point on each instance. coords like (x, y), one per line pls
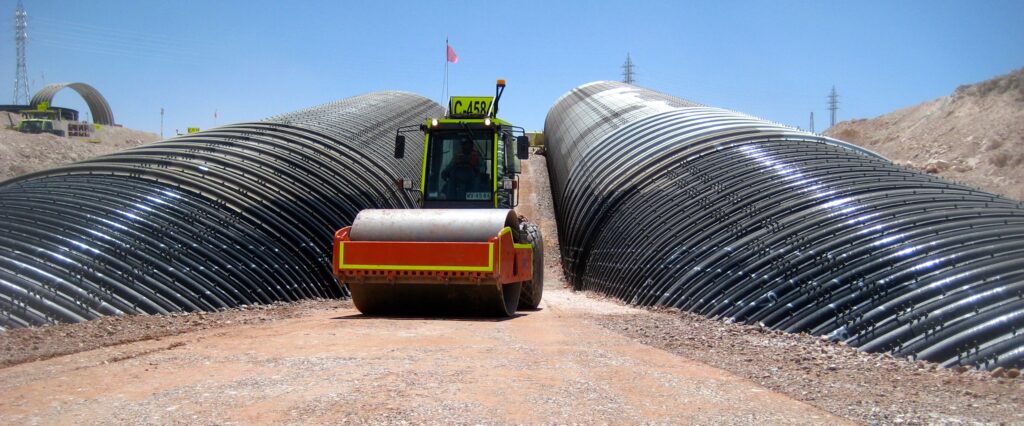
(465, 252)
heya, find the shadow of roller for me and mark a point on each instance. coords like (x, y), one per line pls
(436, 299)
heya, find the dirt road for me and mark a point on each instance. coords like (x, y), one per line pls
(335, 365)
(330, 367)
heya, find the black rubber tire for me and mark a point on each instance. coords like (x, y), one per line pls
(533, 290)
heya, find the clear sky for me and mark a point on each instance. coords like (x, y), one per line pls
(252, 59)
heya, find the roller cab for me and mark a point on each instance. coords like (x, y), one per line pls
(465, 251)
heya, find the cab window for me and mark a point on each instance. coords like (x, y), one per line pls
(459, 166)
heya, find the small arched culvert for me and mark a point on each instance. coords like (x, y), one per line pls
(98, 106)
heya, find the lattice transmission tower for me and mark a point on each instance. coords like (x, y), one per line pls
(627, 71)
(833, 105)
(21, 73)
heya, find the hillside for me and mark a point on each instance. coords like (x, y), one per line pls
(22, 153)
(974, 136)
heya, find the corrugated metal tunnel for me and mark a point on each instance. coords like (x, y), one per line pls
(240, 214)
(662, 201)
(98, 105)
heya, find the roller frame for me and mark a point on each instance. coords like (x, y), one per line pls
(497, 261)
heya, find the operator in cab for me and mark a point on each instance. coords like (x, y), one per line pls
(463, 173)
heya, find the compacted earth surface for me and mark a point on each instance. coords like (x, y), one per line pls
(579, 359)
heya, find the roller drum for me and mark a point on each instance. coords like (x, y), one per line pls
(453, 225)
(424, 295)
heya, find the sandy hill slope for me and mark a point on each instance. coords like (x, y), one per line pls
(974, 136)
(22, 153)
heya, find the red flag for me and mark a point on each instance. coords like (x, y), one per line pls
(452, 57)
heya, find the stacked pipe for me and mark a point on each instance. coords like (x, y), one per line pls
(665, 202)
(240, 214)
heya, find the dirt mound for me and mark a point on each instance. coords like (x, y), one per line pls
(22, 153)
(974, 136)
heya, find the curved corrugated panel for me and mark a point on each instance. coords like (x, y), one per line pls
(98, 106)
(240, 214)
(666, 202)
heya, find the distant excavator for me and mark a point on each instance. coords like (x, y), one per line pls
(465, 251)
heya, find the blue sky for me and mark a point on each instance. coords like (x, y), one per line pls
(252, 59)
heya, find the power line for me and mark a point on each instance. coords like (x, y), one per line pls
(84, 39)
(21, 67)
(627, 71)
(56, 25)
(111, 41)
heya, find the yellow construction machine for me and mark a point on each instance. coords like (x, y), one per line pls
(465, 251)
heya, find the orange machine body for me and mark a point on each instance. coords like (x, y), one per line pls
(497, 261)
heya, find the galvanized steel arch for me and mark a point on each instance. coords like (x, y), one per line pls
(663, 201)
(101, 112)
(239, 214)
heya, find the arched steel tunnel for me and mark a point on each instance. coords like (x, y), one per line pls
(665, 202)
(240, 214)
(98, 105)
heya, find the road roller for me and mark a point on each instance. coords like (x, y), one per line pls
(465, 251)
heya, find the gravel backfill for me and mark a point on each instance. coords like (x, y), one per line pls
(865, 387)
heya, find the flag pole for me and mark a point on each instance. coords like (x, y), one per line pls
(444, 87)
